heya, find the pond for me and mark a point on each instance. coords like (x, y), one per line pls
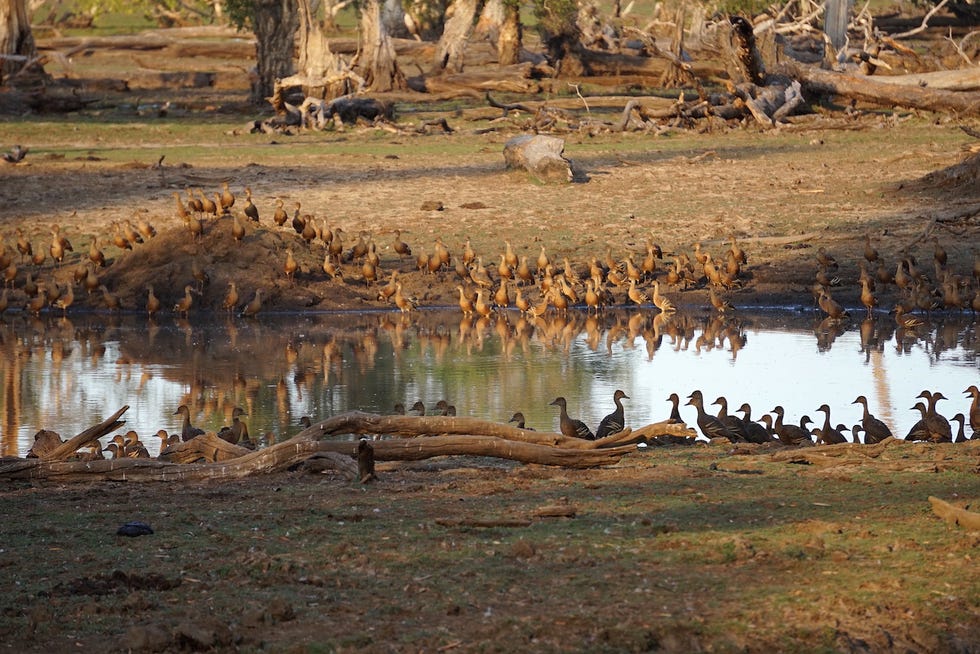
(68, 374)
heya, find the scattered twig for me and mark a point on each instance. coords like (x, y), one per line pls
(925, 22)
(578, 92)
(959, 46)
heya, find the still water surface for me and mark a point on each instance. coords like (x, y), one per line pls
(66, 375)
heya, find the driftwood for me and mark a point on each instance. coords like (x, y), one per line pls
(841, 454)
(207, 448)
(456, 436)
(869, 89)
(356, 422)
(69, 447)
(955, 515)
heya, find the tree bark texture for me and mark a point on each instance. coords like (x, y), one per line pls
(452, 43)
(315, 58)
(378, 64)
(867, 89)
(17, 46)
(275, 23)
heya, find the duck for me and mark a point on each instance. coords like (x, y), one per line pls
(720, 304)
(290, 266)
(227, 198)
(675, 409)
(254, 305)
(635, 295)
(418, 408)
(710, 426)
(905, 321)
(974, 415)
(444, 408)
(938, 425)
(386, 292)
(518, 419)
(828, 434)
(570, 426)
(230, 302)
(279, 215)
(868, 298)
(183, 306)
(615, 421)
(404, 304)
(791, 434)
(187, 430)
(920, 430)
(251, 211)
(754, 431)
(734, 423)
(870, 254)
(961, 432)
(660, 301)
(830, 306)
(875, 430)
(238, 431)
(152, 301)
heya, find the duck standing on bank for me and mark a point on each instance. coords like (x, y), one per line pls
(615, 422)
(570, 426)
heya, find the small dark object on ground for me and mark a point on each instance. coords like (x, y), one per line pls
(135, 528)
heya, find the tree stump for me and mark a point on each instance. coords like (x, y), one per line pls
(542, 156)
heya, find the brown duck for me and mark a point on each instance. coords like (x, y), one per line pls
(187, 430)
(570, 426)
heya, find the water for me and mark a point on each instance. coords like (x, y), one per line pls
(66, 375)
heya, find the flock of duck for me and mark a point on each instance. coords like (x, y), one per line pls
(555, 284)
(932, 427)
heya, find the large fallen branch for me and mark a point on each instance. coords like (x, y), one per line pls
(955, 515)
(868, 89)
(69, 447)
(417, 438)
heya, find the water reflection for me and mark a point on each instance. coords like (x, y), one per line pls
(67, 374)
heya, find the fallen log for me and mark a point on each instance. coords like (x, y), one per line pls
(839, 454)
(69, 447)
(311, 441)
(207, 448)
(955, 515)
(357, 422)
(962, 79)
(868, 89)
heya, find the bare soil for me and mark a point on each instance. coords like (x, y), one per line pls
(672, 550)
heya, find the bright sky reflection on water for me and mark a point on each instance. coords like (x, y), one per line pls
(67, 377)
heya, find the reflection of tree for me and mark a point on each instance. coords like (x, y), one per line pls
(10, 406)
(279, 368)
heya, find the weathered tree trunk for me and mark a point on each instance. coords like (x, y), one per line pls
(500, 23)
(275, 23)
(452, 43)
(314, 57)
(18, 51)
(511, 38)
(867, 89)
(742, 59)
(377, 63)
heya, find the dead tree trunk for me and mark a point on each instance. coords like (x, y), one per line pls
(511, 37)
(274, 23)
(500, 24)
(452, 43)
(18, 52)
(377, 63)
(866, 89)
